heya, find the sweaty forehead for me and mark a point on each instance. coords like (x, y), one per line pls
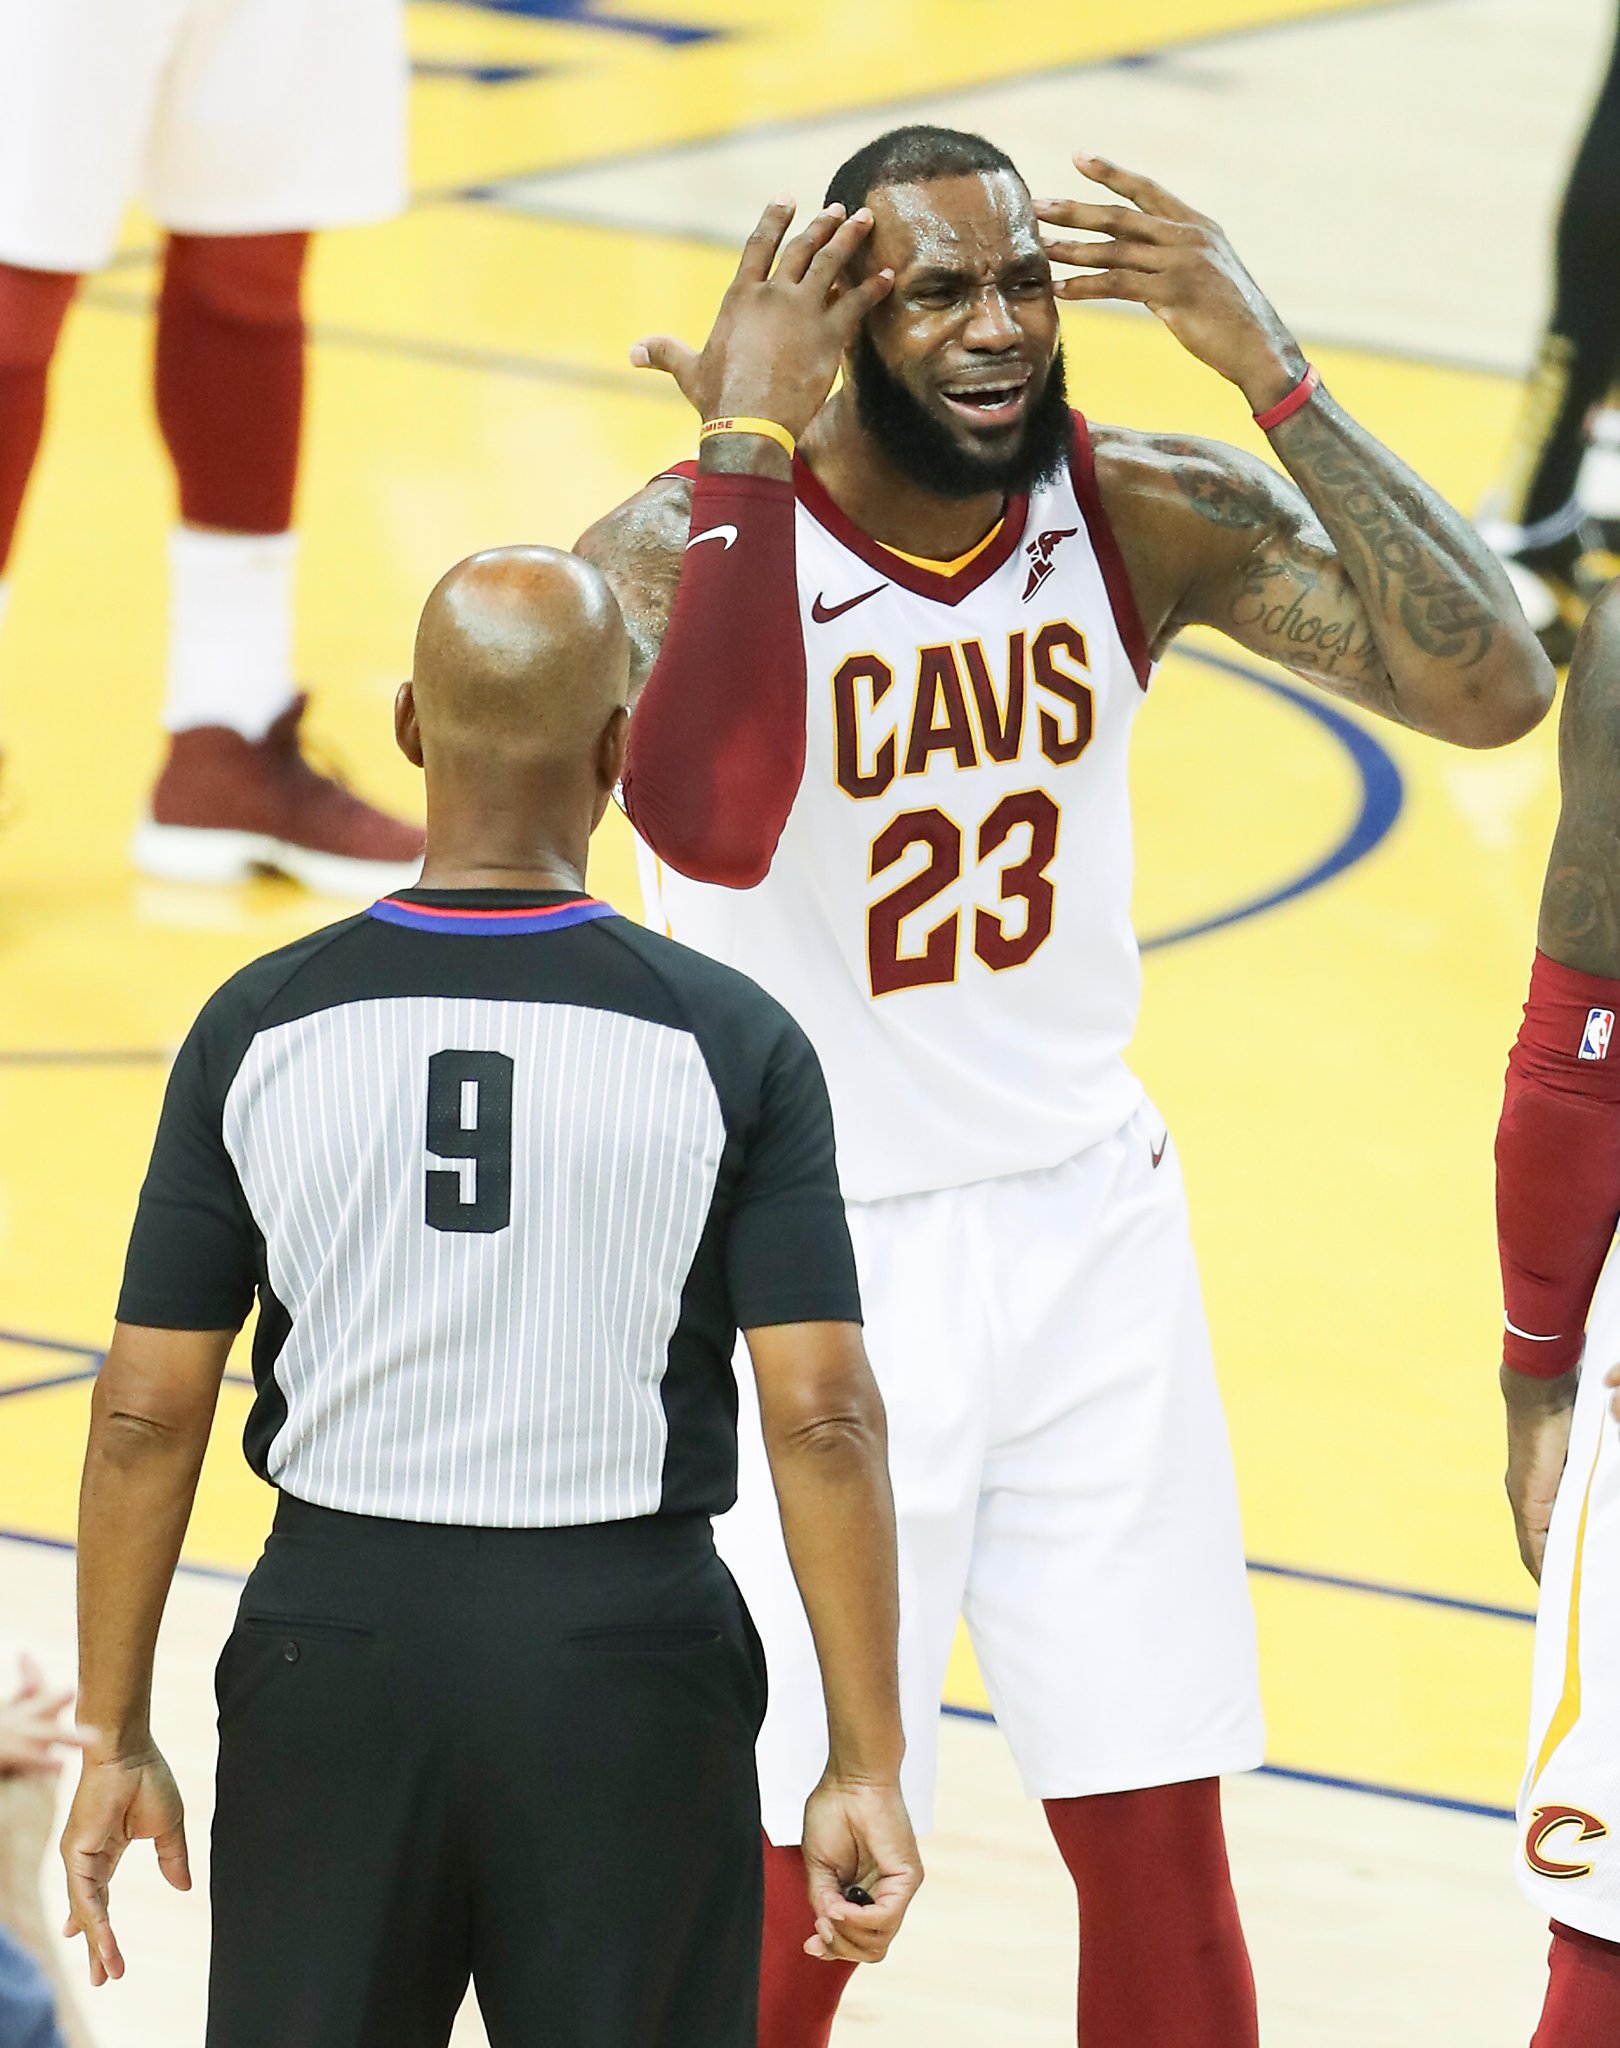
(979, 222)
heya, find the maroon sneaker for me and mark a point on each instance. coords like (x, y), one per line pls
(226, 808)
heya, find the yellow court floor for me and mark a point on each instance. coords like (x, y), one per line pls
(1339, 917)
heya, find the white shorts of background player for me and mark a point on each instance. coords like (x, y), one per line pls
(226, 117)
(1062, 1479)
(1569, 1804)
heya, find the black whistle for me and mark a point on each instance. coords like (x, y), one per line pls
(858, 1895)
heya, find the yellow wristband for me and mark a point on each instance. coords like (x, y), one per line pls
(768, 428)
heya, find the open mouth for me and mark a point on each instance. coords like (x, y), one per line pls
(999, 404)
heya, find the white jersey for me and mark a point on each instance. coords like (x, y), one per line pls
(948, 910)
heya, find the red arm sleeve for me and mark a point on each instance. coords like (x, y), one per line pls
(717, 737)
(1557, 1165)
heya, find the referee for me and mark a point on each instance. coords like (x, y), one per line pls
(506, 1174)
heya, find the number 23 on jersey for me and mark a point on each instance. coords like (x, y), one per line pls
(1014, 844)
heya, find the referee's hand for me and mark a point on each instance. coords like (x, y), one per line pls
(858, 1834)
(120, 1800)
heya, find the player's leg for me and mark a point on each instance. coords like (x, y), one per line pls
(229, 388)
(1163, 1959)
(798, 1994)
(615, 1845)
(927, 1338)
(1539, 520)
(339, 1880)
(274, 120)
(32, 306)
(1582, 2008)
(78, 81)
(1107, 1596)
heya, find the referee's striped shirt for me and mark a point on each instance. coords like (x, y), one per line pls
(506, 1173)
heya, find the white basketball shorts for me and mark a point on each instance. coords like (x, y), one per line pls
(227, 117)
(1569, 1805)
(1061, 1478)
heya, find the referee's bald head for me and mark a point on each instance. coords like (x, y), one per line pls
(521, 657)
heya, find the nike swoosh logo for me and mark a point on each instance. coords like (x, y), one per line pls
(724, 534)
(1158, 1151)
(823, 612)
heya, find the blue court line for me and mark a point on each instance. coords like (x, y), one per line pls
(88, 1371)
(1370, 1787)
(1340, 1583)
(469, 73)
(1374, 1790)
(1382, 795)
(192, 1571)
(52, 1344)
(585, 14)
(60, 1379)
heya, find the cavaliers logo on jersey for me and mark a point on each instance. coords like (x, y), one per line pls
(1549, 1822)
(1040, 552)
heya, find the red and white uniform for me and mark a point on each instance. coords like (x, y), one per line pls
(948, 915)
(226, 117)
(1569, 1798)
(1558, 1202)
(949, 911)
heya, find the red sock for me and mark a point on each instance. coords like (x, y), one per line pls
(32, 303)
(1163, 1962)
(230, 376)
(798, 1997)
(1583, 1992)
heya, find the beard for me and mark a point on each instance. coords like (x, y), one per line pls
(925, 450)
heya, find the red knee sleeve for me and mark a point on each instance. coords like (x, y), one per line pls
(230, 376)
(798, 1996)
(1583, 1992)
(32, 303)
(1162, 1957)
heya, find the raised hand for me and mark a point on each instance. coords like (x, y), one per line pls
(1156, 251)
(858, 1834)
(119, 1801)
(783, 325)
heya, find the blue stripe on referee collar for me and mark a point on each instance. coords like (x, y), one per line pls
(469, 923)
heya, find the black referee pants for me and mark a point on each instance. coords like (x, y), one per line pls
(523, 1756)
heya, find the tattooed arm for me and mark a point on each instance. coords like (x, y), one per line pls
(1580, 900)
(639, 547)
(1352, 572)
(1389, 600)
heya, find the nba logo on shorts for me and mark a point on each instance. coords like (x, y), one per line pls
(1599, 1030)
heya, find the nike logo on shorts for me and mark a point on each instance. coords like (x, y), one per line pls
(1157, 1152)
(823, 612)
(724, 534)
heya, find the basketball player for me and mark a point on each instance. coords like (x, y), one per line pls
(507, 1173)
(896, 671)
(244, 124)
(1558, 1201)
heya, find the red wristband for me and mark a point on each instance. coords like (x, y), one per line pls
(1285, 408)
